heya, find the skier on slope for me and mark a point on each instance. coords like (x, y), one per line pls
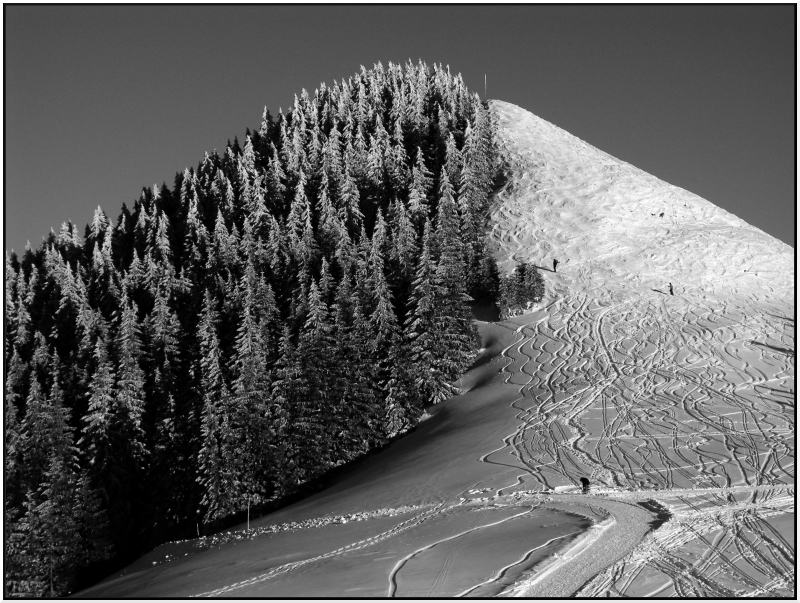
(555, 263)
(671, 291)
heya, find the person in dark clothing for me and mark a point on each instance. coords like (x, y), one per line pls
(555, 263)
(585, 485)
(671, 291)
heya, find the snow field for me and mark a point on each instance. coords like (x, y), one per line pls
(684, 399)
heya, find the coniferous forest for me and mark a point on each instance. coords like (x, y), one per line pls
(286, 306)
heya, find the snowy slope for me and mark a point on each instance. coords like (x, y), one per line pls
(686, 401)
(679, 409)
(601, 218)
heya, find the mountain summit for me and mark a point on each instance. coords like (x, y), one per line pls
(617, 230)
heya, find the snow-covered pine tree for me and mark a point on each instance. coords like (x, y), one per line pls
(423, 324)
(130, 379)
(460, 337)
(420, 187)
(97, 431)
(404, 250)
(250, 421)
(316, 352)
(215, 475)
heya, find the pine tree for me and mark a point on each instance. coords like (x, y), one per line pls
(215, 476)
(316, 350)
(99, 226)
(9, 313)
(363, 391)
(44, 428)
(116, 466)
(349, 208)
(472, 207)
(403, 405)
(460, 335)
(329, 224)
(286, 393)
(404, 249)
(398, 159)
(61, 531)
(424, 323)
(14, 471)
(418, 195)
(453, 161)
(22, 336)
(275, 182)
(62, 525)
(130, 379)
(298, 212)
(383, 321)
(250, 421)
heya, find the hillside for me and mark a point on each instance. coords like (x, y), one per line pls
(618, 231)
(679, 409)
(288, 306)
(684, 399)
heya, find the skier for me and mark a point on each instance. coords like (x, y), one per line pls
(585, 485)
(555, 263)
(671, 291)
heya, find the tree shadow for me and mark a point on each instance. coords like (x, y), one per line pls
(543, 268)
(659, 291)
(788, 319)
(778, 392)
(786, 351)
(662, 514)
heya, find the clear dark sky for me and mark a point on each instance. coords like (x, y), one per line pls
(100, 101)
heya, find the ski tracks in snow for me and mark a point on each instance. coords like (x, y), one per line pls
(274, 572)
(684, 399)
(673, 411)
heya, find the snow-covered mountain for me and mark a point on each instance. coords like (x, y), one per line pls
(678, 409)
(618, 230)
(686, 399)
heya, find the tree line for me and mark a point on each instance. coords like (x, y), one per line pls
(287, 306)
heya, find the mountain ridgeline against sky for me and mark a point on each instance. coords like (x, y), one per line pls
(285, 307)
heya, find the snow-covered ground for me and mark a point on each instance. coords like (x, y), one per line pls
(618, 231)
(686, 400)
(678, 409)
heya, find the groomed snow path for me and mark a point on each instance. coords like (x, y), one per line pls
(684, 403)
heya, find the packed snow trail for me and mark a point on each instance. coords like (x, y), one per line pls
(679, 409)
